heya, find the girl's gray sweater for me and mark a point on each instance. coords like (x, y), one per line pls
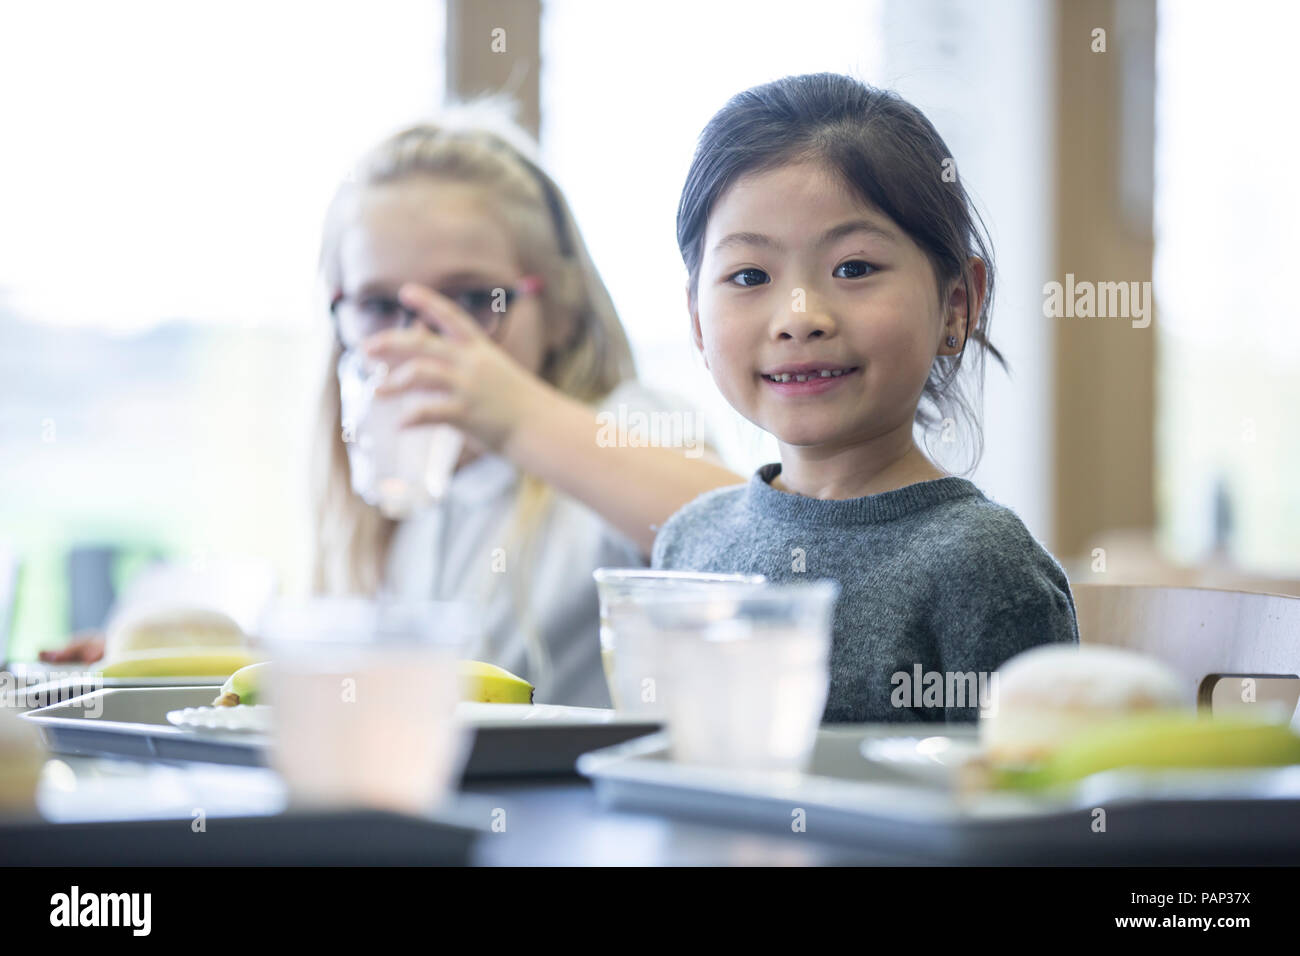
(939, 586)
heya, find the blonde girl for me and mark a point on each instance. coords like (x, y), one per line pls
(433, 222)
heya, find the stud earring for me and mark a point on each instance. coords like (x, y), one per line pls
(952, 340)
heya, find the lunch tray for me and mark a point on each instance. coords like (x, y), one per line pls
(32, 692)
(509, 740)
(1239, 817)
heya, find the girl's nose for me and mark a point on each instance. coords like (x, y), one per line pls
(801, 325)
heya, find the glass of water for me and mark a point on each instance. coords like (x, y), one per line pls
(630, 649)
(363, 699)
(748, 672)
(398, 470)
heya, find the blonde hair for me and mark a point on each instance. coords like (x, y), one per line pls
(475, 143)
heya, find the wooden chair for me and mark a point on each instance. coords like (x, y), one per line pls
(1202, 634)
(1134, 556)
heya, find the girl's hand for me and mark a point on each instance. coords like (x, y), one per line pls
(479, 387)
(84, 647)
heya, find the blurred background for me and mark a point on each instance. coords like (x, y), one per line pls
(166, 167)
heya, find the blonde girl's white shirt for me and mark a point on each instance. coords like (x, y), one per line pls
(458, 550)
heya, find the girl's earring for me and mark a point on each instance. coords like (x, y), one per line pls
(952, 341)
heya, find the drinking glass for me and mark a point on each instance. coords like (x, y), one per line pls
(629, 648)
(363, 696)
(747, 672)
(398, 470)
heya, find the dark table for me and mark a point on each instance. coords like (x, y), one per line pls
(553, 821)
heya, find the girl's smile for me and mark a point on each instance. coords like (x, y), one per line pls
(807, 378)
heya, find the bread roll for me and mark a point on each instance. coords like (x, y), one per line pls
(156, 628)
(1049, 693)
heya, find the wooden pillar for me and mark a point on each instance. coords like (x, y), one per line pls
(493, 46)
(1104, 434)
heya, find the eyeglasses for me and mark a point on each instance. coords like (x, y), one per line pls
(358, 317)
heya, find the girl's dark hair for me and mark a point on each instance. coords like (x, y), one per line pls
(890, 156)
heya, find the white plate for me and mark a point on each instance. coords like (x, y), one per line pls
(934, 759)
(255, 718)
(937, 761)
(479, 713)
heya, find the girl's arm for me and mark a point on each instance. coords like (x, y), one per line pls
(636, 489)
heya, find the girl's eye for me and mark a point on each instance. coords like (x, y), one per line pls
(473, 300)
(854, 269)
(749, 277)
(379, 308)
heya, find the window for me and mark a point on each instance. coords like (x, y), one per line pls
(165, 175)
(1228, 378)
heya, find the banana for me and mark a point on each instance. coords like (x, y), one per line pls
(179, 662)
(244, 686)
(1160, 740)
(493, 685)
(481, 682)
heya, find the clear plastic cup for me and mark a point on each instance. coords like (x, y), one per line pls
(398, 470)
(629, 647)
(363, 696)
(748, 671)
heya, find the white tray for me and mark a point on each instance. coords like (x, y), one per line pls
(244, 718)
(42, 690)
(1172, 817)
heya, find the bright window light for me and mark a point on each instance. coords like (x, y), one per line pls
(1226, 208)
(171, 160)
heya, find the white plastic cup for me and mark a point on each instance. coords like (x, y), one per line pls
(630, 649)
(363, 699)
(748, 671)
(398, 470)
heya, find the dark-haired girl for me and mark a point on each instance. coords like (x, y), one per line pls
(838, 280)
